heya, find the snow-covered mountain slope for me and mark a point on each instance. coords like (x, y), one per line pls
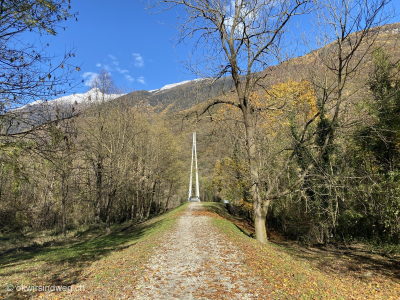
(92, 95)
(172, 85)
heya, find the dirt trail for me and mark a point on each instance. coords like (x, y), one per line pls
(196, 261)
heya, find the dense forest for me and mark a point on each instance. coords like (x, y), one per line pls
(108, 161)
(309, 146)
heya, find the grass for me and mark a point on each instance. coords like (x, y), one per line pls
(109, 265)
(71, 262)
(287, 276)
(385, 249)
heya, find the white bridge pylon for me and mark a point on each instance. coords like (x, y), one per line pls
(194, 153)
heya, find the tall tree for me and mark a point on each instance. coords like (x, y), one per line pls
(94, 129)
(377, 159)
(383, 136)
(242, 37)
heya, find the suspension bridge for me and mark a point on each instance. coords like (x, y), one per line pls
(196, 197)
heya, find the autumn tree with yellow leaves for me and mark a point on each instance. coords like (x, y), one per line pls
(280, 113)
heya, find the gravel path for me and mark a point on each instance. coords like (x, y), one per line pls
(196, 261)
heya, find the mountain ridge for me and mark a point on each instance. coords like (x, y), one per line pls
(186, 94)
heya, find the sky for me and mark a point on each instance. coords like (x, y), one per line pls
(133, 44)
(125, 39)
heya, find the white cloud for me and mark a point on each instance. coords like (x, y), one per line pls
(114, 65)
(129, 78)
(122, 71)
(138, 60)
(89, 77)
(246, 16)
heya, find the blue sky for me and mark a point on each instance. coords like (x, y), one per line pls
(124, 38)
(127, 40)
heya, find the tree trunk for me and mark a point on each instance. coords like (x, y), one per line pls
(64, 187)
(159, 197)
(108, 225)
(133, 210)
(139, 205)
(111, 197)
(169, 197)
(259, 224)
(99, 192)
(153, 196)
(64, 219)
(148, 208)
(258, 209)
(260, 213)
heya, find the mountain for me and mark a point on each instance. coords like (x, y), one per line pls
(39, 112)
(187, 94)
(172, 85)
(183, 95)
(68, 101)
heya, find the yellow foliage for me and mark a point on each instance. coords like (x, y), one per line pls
(231, 179)
(298, 97)
(283, 104)
(227, 111)
(246, 205)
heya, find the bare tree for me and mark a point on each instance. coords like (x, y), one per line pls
(239, 38)
(28, 72)
(95, 123)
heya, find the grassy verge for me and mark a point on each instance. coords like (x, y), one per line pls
(287, 277)
(94, 262)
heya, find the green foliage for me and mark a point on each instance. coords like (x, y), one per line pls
(353, 191)
(382, 138)
(377, 158)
